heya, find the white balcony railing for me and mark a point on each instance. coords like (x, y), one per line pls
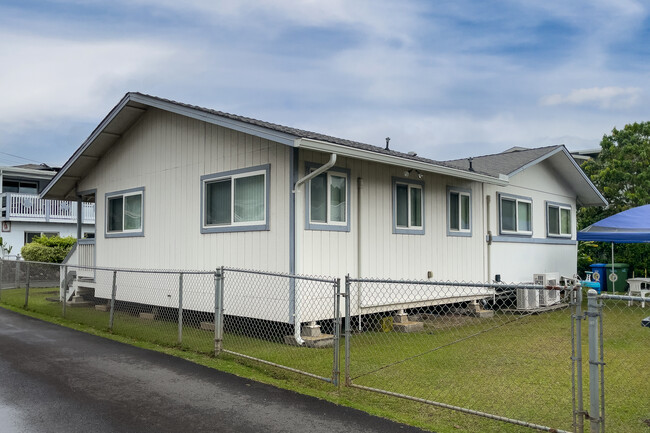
(29, 207)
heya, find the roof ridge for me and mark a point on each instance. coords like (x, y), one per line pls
(506, 153)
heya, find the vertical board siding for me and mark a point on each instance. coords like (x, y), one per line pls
(167, 154)
(517, 262)
(384, 254)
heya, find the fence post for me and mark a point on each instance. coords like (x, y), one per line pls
(180, 308)
(65, 290)
(336, 373)
(594, 361)
(578, 361)
(348, 381)
(17, 276)
(218, 310)
(113, 293)
(2, 263)
(26, 284)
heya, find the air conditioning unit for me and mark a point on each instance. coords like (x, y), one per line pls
(548, 297)
(527, 299)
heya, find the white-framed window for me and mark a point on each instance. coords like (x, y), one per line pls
(516, 215)
(408, 206)
(125, 213)
(558, 220)
(328, 200)
(459, 211)
(235, 200)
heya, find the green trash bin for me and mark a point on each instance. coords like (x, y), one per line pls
(620, 270)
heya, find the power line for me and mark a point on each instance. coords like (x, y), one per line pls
(21, 157)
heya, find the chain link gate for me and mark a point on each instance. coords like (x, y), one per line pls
(461, 346)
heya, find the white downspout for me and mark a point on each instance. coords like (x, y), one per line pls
(313, 174)
(489, 236)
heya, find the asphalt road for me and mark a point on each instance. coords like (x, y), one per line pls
(54, 379)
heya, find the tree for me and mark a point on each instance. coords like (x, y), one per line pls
(622, 173)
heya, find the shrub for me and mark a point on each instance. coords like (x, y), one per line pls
(48, 250)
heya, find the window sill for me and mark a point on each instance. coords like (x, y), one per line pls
(232, 229)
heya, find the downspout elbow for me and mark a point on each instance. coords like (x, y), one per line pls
(316, 172)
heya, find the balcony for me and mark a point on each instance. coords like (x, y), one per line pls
(29, 207)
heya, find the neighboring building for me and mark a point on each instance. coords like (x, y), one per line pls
(25, 215)
(183, 187)
(585, 155)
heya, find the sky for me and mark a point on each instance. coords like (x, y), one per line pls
(446, 79)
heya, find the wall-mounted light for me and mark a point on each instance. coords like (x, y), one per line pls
(419, 175)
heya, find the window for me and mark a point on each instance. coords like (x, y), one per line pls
(235, 200)
(516, 215)
(124, 213)
(29, 236)
(459, 211)
(21, 187)
(558, 219)
(408, 206)
(328, 200)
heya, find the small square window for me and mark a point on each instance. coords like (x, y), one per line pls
(124, 213)
(558, 220)
(515, 215)
(327, 197)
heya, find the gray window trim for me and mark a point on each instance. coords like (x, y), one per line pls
(560, 206)
(237, 228)
(459, 233)
(402, 230)
(528, 240)
(328, 226)
(131, 234)
(515, 197)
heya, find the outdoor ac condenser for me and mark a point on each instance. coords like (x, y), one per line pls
(527, 299)
(548, 297)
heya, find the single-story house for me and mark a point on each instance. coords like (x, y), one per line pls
(184, 187)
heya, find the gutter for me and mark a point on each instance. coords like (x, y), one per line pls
(299, 182)
(323, 146)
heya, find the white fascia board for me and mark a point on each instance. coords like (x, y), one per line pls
(258, 131)
(602, 200)
(323, 146)
(100, 128)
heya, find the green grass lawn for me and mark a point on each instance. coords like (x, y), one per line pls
(513, 366)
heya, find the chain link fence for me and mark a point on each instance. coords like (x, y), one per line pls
(529, 355)
(286, 320)
(500, 351)
(621, 368)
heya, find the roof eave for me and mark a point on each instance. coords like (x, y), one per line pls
(323, 146)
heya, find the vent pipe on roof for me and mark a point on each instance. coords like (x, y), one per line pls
(470, 159)
(387, 141)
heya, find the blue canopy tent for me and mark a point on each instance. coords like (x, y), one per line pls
(630, 226)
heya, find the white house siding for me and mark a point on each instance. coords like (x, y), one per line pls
(16, 237)
(517, 262)
(167, 154)
(385, 254)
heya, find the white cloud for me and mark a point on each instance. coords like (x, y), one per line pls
(603, 97)
(51, 78)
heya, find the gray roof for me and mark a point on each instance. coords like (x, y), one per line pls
(507, 162)
(302, 133)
